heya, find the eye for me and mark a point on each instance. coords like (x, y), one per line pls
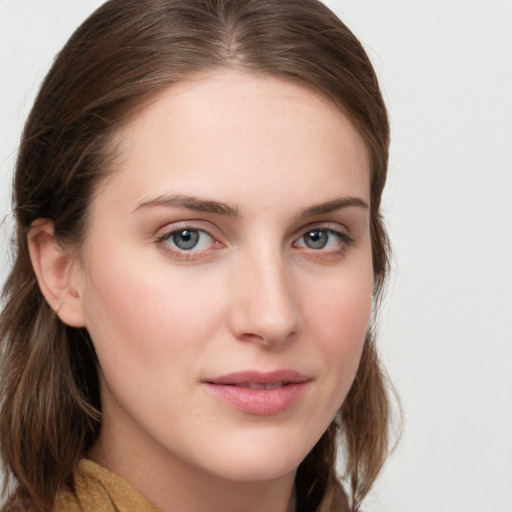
(323, 239)
(187, 240)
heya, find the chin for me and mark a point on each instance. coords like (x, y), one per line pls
(259, 470)
(259, 460)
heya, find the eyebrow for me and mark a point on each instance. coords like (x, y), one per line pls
(204, 205)
(334, 205)
(190, 203)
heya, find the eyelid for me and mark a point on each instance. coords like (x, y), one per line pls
(192, 224)
(335, 227)
(346, 239)
(161, 236)
(160, 239)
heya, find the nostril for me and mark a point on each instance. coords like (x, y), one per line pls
(269, 336)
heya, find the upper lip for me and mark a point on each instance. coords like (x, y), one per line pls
(259, 377)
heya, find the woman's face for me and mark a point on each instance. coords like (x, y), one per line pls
(226, 276)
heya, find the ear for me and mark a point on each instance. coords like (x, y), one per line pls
(56, 273)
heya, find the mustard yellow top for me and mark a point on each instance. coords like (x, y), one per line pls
(99, 490)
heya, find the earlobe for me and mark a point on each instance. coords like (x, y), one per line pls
(55, 274)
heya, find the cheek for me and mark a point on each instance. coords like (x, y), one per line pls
(145, 317)
(338, 320)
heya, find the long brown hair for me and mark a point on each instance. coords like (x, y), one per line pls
(121, 56)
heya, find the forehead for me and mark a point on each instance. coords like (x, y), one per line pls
(233, 130)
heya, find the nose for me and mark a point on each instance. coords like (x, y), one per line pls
(264, 308)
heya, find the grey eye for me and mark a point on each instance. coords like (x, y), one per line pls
(320, 239)
(186, 239)
(316, 238)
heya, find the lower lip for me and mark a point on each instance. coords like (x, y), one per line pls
(261, 402)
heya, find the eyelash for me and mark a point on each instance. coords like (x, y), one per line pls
(345, 241)
(163, 242)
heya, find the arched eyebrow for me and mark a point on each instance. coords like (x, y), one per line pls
(334, 205)
(205, 205)
(190, 203)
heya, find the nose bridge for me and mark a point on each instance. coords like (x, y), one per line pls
(265, 305)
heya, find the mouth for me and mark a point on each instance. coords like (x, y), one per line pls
(259, 393)
(259, 380)
(255, 385)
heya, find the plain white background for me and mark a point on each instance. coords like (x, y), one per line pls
(445, 68)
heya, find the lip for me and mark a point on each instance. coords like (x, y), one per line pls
(259, 393)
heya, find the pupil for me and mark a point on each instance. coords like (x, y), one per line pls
(186, 239)
(316, 239)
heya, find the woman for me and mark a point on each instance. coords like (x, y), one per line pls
(199, 252)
